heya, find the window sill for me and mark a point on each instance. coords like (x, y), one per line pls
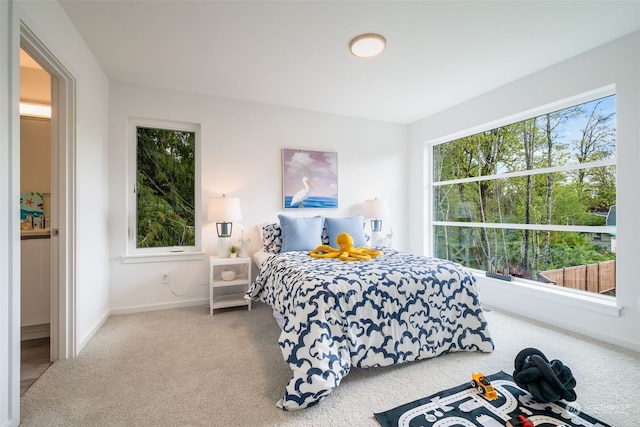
(162, 257)
(594, 303)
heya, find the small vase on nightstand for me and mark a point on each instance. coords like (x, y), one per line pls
(233, 251)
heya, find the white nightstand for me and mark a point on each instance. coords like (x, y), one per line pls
(228, 293)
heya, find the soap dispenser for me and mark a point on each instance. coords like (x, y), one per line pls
(29, 220)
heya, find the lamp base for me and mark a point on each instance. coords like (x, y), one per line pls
(375, 238)
(223, 246)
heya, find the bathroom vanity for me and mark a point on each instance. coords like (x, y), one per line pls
(36, 283)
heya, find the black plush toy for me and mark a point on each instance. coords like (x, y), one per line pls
(546, 381)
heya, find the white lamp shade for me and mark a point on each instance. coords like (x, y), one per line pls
(376, 208)
(224, 209)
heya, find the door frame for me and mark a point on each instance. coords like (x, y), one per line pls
(63, 169)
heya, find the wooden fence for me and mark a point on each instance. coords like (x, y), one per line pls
(598, 278)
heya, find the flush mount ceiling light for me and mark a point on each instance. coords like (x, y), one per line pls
(367, 45)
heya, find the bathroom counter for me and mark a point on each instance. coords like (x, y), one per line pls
(36, 233)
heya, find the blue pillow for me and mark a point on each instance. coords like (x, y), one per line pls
(353, 225)
(300, 234)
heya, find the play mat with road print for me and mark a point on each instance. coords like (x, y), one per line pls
(465, 406)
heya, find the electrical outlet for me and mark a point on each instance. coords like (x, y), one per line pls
(166, 278)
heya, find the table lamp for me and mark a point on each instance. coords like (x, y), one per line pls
(376, 210)
(224, 210)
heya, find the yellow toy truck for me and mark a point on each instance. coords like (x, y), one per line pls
(484, 387)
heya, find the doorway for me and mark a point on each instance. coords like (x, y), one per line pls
(35, 220)
(62, 200)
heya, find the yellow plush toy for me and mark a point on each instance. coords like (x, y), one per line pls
(345, 251)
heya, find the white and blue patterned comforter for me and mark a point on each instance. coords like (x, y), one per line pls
(393, 309)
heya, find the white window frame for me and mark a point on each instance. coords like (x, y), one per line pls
(587, 300)
(160, 254)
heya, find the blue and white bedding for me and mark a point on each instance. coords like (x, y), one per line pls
(393, 309)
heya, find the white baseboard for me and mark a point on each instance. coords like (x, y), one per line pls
(33, 332)
(163, 306)
(92, 332)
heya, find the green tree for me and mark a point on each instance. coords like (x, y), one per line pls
(165, 188)
(597, 142)
(564, 197)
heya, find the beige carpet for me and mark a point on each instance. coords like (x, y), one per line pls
(182, 367)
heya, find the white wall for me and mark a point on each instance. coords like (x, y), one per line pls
(241, 156)
(35, 155)
(616, 63)
(51, 26)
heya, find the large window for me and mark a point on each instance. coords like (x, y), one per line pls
(165, 190)
(533, 199)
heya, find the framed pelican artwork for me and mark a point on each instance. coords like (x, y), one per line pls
(309, 179)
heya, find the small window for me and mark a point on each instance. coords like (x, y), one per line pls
(165, 191)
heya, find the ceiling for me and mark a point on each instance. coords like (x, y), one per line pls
(295, 53)
(28, 62)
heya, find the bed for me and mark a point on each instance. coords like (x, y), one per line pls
(336, 315)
